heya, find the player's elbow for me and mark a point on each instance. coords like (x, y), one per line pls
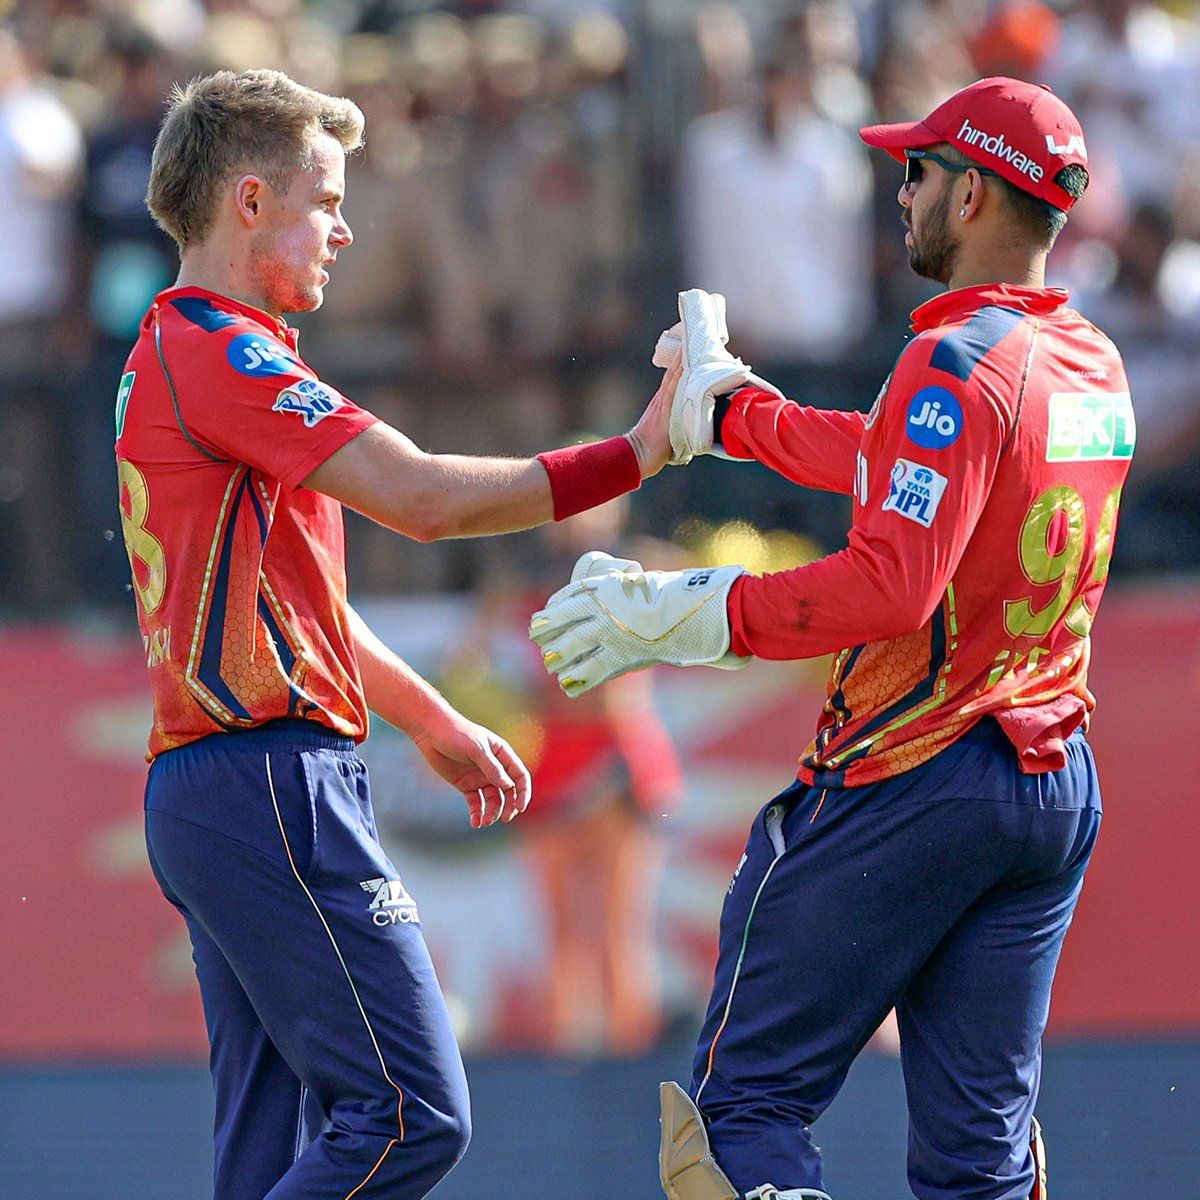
(902, 614)
(426, 520)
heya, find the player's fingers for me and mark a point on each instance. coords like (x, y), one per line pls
(569, 648)
(475, 809)
(517, 799)
(493, 805)
(549, 623)
(481, 755)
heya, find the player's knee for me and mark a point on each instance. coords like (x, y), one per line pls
(432, 1144)
(447, 1137)
(456, 1136)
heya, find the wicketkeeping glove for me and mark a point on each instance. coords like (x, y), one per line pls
(614, 617)
(709, 371)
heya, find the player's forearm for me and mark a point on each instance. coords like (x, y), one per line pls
(383, 475)
(846, 599)
(393, 690)
(572, 480)
(813, 447)
(469, 497)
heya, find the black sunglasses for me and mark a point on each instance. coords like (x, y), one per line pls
(914, 169)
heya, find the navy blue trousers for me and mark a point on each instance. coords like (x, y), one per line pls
(944, 893)
(335, 1067)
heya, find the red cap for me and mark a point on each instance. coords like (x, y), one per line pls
(1022, 131)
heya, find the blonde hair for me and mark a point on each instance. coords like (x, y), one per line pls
(229, 122)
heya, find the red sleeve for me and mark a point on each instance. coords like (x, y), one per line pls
(927, 467)
(814, 447)
(244, 394)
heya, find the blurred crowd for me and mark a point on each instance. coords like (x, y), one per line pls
(540, 178)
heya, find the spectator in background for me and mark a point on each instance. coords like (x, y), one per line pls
(40, 160)
(914, 72)
(775, 212)
(1160, 509)
(605, 772)
(1132, 73)
(124, 260)
(606, 775)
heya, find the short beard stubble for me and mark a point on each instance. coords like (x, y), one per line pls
(935, 255)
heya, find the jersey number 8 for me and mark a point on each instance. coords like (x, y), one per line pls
(147, 560)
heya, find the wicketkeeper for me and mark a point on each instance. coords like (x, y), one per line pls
(931, 851)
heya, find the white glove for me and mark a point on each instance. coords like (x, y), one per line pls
(614, 617)
(709, 371)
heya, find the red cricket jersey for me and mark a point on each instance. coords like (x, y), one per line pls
(239, 572)
(986, 482)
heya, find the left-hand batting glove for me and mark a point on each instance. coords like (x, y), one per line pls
(615, 617)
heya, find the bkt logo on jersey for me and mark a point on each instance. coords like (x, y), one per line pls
(935, 418)
(312, 400)
(257, 355)
(915, 492)
(390, 904)
(1090, 426)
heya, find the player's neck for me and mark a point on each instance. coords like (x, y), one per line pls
(215, 273)
(1021, 270)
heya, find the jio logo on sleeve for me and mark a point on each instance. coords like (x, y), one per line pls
(934, 419)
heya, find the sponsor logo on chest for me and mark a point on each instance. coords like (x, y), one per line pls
(915, 491)
(1090, 427)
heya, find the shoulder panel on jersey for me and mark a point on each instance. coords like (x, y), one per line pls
(961, 350)
(204, 313)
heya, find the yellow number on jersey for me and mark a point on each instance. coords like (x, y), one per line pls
(1062, 566)
(1080, 618)
(140, 543)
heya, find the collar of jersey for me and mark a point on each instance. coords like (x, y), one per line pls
(961, 302)
(276, 325)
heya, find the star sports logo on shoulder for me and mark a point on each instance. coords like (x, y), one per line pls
(915, 491)
(310, 399)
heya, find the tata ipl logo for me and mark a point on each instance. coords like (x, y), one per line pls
(935, 418)
(1090, 427)
(915, 491)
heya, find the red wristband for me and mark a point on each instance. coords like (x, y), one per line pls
(583, 476)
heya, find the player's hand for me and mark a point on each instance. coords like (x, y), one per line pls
(650, 437)
(480, 764)
(615, 617)
(708, 371)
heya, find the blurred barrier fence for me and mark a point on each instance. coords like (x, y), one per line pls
(96, 964)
